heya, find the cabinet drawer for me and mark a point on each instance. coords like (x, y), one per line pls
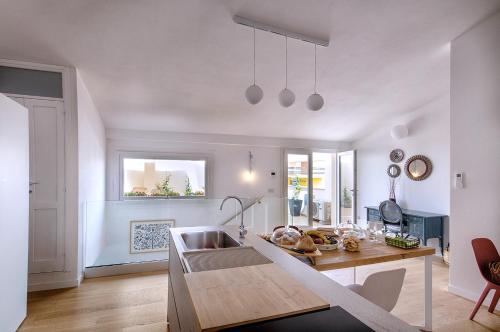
(415, 219)
(373, 215)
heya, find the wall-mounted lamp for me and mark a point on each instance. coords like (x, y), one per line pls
(399, 131)
(249, 174)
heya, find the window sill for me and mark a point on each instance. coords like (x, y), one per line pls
(149, 198)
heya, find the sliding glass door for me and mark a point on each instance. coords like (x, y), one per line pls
(310, 188)
(324, 188)
(298, 188)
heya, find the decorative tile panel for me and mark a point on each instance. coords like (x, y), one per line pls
(149, 235)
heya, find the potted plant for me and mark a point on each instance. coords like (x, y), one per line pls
(295, 204)
(188, 191)
(346, 198)
(163, 189)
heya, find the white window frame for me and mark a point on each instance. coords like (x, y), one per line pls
(165, 156)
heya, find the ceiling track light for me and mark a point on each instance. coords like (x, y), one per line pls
(286, 96)
(315, 102)
(254, 93)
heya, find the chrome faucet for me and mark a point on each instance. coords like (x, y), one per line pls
(243, 231)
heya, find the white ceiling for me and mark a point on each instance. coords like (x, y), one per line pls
(184, 65)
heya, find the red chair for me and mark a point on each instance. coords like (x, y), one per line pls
(485, 252)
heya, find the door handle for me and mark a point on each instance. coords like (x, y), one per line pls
(32, 183)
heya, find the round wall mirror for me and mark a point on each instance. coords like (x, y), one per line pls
(418, 167)
(393, 171)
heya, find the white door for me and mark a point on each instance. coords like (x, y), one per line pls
(14, 149)
(47, 185)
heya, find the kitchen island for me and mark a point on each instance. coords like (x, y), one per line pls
(308, 289)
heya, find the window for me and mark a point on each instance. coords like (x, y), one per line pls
(31, 82)
(163, 178)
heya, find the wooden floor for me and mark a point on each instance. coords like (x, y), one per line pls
(129, 303)
(449, 312)
(138, 302)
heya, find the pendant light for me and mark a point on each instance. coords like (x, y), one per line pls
(286, 96)
(254, 93)
(315, 101)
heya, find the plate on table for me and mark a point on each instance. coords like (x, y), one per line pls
(292, 250)
(327, 247)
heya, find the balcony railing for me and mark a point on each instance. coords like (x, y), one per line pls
(132, 231)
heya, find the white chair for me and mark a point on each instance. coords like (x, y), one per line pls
(382, 288)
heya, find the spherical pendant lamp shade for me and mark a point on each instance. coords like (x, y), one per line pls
(286, 97)
(399, 131)
(254, 94)
(315, 102)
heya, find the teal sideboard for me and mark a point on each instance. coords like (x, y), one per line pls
(424, 225)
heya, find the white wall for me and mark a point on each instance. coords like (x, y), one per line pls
(92, 175)
(228, 158)
(429, 135)
(14, 207)
(475, 149)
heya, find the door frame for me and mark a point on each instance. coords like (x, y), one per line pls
(354, 183)
(74, 227)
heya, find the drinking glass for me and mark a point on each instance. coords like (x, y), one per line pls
(372, 231)
(374, 228)
(379, 227)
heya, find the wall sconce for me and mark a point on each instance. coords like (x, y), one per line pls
(249, 174)
(399, 131)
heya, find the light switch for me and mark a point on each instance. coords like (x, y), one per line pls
(459, 180)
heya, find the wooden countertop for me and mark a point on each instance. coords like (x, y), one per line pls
(243, 295)
(334, 293)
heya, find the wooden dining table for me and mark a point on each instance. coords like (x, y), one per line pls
(378, 252)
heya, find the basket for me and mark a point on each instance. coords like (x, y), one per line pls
(402, 243)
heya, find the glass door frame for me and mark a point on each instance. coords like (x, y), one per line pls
(354, 190)
(309, 152)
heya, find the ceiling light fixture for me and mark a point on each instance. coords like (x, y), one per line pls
(315, 101)
(254, 93)
(286, 96)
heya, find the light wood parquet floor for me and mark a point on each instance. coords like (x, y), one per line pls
(138, 302)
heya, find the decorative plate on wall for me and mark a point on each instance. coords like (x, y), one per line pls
(149, 235)
(397, 155)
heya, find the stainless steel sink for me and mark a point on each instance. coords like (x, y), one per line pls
(208, 240)
(196, 261)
